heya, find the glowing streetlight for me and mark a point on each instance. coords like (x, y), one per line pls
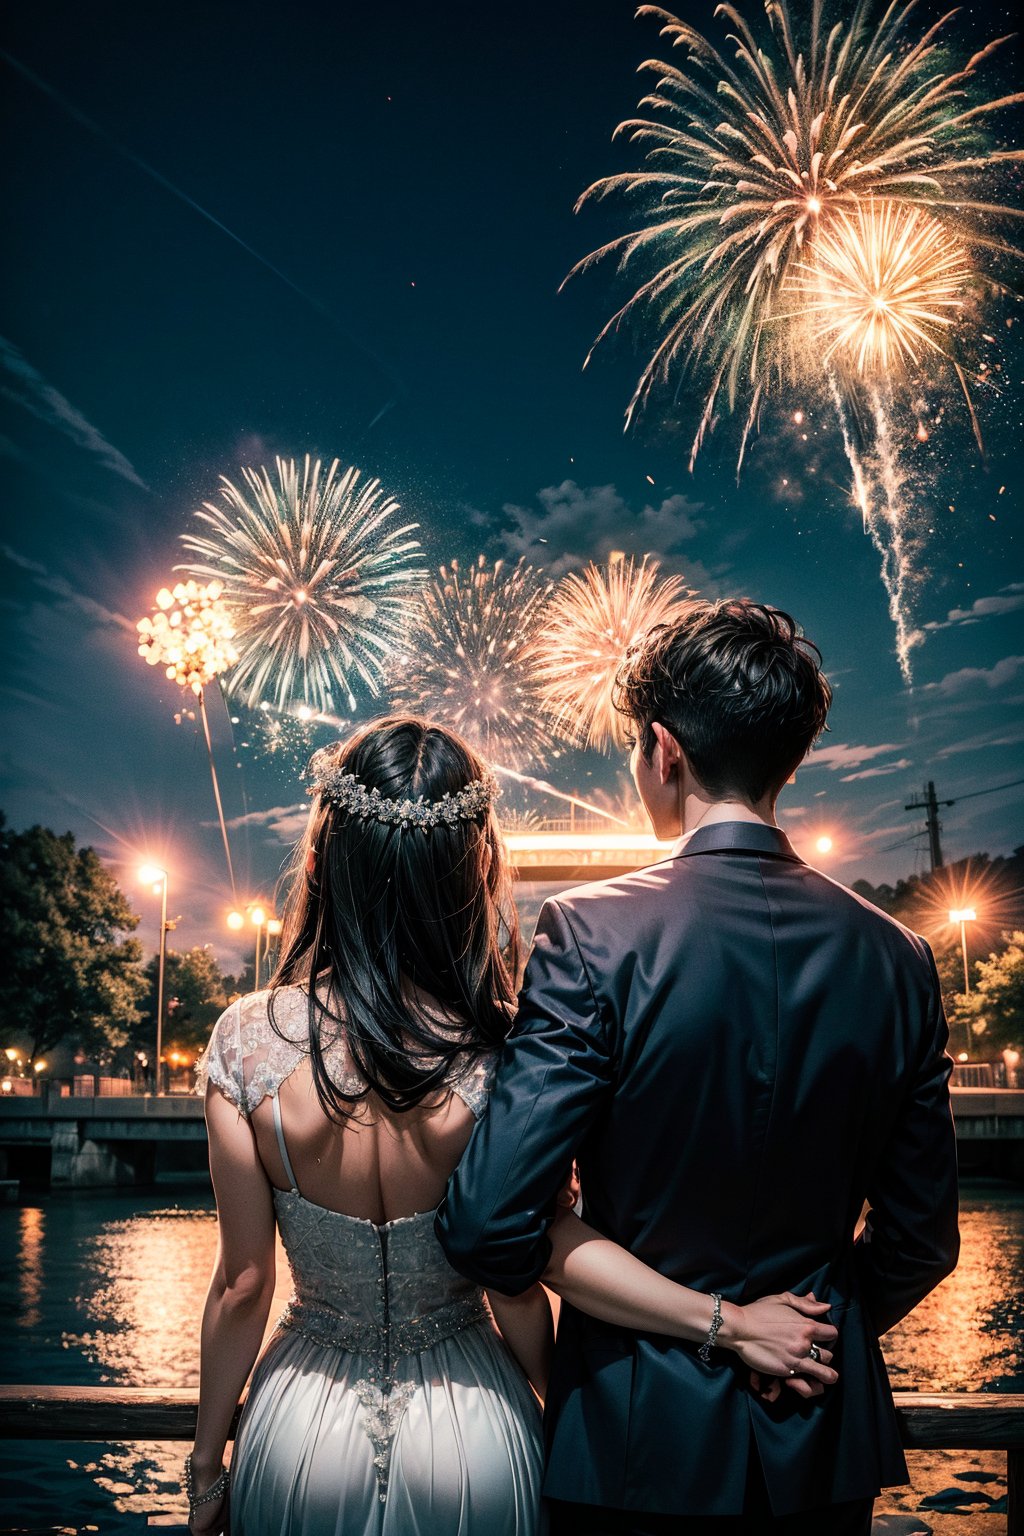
(824, 844)
(155, 877)
(963, 916)
(274, 927)
(258, 918)
(235, 921)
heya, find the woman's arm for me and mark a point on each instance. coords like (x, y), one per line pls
(771, 1336)
(241, 1290)
(526, 1325)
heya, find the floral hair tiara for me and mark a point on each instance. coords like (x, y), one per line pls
(346, 792)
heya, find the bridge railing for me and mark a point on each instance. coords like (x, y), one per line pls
(977, 1421)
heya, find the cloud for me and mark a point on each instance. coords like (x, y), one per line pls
(575, 523)
(1007, 600)
(1010, 738)
(287, 822)
(68, 594)
(970, 679)
(879, 772)
(838, 755)
(31, 391)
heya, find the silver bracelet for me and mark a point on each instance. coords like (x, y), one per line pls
(216, 1490)
(716, 1322)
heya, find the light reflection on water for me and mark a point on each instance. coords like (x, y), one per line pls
(109, 1287)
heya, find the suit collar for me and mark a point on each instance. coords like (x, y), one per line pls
(736, 837)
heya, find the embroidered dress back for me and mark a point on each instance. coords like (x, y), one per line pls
(385, 1403)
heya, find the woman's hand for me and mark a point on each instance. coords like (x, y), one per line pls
(774, 1337)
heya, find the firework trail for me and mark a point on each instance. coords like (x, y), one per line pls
(587, 628)
(190, 633)
(317, 576)
(825, 189)
(468, 659)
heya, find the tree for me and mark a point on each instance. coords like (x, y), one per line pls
(70, 974)
(195, 993)
(995, 1007)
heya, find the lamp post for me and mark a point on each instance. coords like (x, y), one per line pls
(963, 916)
(258, 918)
(152, 874)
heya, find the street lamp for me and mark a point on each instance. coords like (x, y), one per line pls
(258, 918)
(235, 921)
(153, 875)
(824, 843)
(963, 916)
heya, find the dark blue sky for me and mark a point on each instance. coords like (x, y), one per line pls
(411, 170)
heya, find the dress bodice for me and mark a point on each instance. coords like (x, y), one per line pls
(384, 1291)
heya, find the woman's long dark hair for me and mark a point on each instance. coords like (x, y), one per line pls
(404, 937)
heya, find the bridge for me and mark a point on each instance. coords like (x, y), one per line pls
(87, 1143)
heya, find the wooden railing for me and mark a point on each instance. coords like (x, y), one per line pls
(979, 1421)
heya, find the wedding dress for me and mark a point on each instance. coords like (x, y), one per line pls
(385, 1403)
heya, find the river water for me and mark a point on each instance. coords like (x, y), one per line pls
(107, 1287)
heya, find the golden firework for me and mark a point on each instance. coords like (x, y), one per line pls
(190, 634)
(588, 627)
(881, 287)
(468, 661)
(754, 151)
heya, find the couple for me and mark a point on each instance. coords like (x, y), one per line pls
(736, 1055)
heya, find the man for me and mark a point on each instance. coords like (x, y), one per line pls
(739, 1054)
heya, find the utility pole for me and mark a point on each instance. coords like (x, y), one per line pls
(929, 803)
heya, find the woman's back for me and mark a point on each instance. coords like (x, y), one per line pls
(379, 1164)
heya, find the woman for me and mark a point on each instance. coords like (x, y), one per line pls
(390, 1398)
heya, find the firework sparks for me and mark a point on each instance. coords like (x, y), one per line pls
(190, 634)
(750, 165)
(318, 578)
(587, 629)
(883, 286)
(468, 661)
(836, 165)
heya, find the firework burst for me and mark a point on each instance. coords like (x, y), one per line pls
(883, 287)
(468, 660)
(318, 577)
(588, 626)
(748, 164)
(837, 164)
(190, 634)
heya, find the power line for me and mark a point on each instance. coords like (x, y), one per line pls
(976, 792)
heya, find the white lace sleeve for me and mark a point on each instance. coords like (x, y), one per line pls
(221, 1062)
(474, 1085)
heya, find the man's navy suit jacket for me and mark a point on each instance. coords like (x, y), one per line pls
(739, 1053)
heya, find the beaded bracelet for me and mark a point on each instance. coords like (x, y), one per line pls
(716, 1322)
(216, 1490)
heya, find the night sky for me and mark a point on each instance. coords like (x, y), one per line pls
(410, 172)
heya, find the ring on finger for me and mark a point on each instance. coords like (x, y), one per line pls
(815, 1354)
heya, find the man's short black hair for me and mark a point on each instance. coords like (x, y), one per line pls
(737, 685)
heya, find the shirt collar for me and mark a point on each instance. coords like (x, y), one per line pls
(736, 837)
